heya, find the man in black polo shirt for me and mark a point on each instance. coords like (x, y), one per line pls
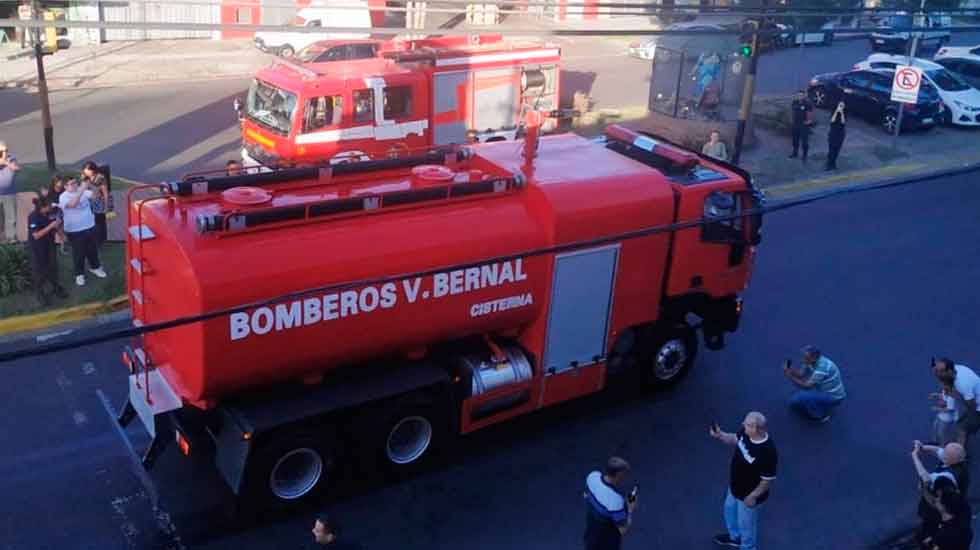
(609, 514)
(753, 470)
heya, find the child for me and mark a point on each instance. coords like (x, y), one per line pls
(57, 188)
(944, 426)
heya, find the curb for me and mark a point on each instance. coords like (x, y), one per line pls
(908, 172)
(47, 319)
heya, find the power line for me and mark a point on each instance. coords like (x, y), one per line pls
(156, 327)
(390, 31)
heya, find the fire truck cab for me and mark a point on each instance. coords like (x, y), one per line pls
(413, 95)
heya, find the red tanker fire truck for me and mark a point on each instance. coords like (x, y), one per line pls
(405, 96)
(374, 309)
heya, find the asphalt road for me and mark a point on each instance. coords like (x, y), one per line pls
(880, 280)
(153, 133)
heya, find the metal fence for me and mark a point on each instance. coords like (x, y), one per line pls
(703, 85)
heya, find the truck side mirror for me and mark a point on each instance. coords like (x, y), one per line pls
(721, 205)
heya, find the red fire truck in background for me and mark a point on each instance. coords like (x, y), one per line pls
(376, 100)
(372, 309)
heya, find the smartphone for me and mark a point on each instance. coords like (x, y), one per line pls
(787, 363)
(633, 493)
(714, 427)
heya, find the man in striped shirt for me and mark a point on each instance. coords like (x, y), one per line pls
(609, 514)
(820, 383)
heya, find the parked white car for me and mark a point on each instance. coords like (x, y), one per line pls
(349, 13)
(961, 101)
(959, 52)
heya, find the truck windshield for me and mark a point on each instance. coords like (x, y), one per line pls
(271, 107)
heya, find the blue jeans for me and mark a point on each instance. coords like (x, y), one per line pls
(741, 521)
(813, 403)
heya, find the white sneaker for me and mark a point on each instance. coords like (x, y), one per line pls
(80, 280)
(99, 272)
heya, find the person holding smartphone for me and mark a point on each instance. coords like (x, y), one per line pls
(8, 195)
(75, 203)
(752, 472)
(609, 512)
(820, 382)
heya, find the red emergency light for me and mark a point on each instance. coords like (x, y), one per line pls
(679, 159)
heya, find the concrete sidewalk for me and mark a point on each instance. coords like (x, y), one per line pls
(136, 63)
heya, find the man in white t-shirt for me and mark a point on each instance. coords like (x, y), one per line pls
(963, 385)
(79, 226)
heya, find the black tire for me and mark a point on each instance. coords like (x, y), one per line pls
(286, 52)
(889, 119)
(289, 471)
(819, 96)
(410, 437)
(668, 354)
(828, 39)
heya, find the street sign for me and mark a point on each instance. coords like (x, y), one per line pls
(905, 86)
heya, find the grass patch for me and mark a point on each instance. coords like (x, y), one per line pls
(113, 256)
(32, 176)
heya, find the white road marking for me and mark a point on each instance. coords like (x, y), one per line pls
(45, 337)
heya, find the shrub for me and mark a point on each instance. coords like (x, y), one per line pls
(15, 269)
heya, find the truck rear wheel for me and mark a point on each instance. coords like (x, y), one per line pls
(289, 471)
(409, 437)
(669, 355)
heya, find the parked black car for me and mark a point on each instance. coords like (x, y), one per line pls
(967, 69)
(868, 94)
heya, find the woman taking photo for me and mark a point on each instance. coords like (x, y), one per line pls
(76, 207)
(100, 199)
(42, 224)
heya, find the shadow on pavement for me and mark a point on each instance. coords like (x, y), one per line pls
(152, 147)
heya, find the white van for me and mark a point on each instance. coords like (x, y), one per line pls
(346, 13)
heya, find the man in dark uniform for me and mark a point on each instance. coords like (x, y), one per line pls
(41, 227)
(802, 120)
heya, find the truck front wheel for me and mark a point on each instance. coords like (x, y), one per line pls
(669, 354)
(289, 471)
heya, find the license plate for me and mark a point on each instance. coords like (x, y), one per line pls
(927, 121)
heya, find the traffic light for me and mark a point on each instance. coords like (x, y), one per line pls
(747, 37)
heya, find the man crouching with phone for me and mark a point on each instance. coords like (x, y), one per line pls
(609, 514)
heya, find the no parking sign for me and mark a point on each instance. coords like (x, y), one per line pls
(905, 86)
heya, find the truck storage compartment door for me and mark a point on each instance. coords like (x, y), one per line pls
(495, 98)
(581, 300)
(449, 107)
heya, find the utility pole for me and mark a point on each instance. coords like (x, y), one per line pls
(42, 92)
(747, 92)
